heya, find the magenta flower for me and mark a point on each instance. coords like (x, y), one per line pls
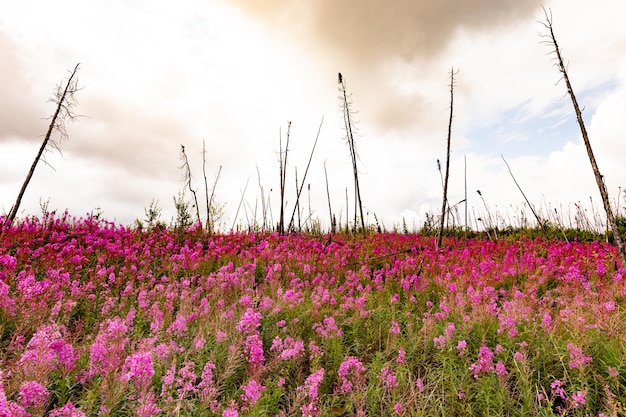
(230, 412)
(249, 322)
(138, 367)
(484, 363)
(501, 369)
(577, 357)
(147, 406)
(207, 390)
(419, 384)
(33, 394)
(395, 328)
(351, 372)
(312, 383)
(460, 346)
(388, 377)
(440, 342)
(557, 389)
(68, 410)
(252, 392)
(399, 408)
(328, 328)
(401, 359)
(254, 350)
(579, 398)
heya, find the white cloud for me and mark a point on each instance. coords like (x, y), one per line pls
(158, 76)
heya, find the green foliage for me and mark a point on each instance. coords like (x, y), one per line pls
(183, 215)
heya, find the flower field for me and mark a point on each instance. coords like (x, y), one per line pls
(98, 319)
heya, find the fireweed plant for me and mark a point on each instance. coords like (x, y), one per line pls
(98, 319)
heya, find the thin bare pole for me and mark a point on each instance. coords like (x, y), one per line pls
(210, 221)
(243, 194)
(447, 174)
(206, 186)
(306, 171)
(283, 176)
(596, 171)
(65, 101)
(465, 184)
(539, 221)
(330, 209)
(353, 155)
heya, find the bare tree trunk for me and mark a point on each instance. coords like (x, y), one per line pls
(330, 209)
(465, 185)
(596, 171)
(447, 174)
(306, 171)
(206, 188)
(350, 138)
(283, 176)
(532, 209)
(185, 166)
(211, 220)
(65, 101)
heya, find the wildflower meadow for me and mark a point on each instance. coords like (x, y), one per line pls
(99, 319)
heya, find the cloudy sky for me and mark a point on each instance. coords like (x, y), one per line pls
(234, 73)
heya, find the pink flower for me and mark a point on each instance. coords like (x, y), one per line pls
(252, 392)
(440, 342)
(388, 377)
(557, 389)
(351, 372)
(68, 410)
(484, 363)
(395, 328)
(401, 357)
(501, 369)
(399, 408)
(230, 412)
(613, 372)
(419, 384)
(577, 357)
(328, 328)
(546, 322)
(138, 367)
(579, 398)
(450, 329)
(186, 380)
(146, 406)
(249, 322)
(207, 390)
(254, 350)
(33, 394)
(312, 383)
(292, 349)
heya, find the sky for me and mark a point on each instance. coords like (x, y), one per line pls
(232, 75)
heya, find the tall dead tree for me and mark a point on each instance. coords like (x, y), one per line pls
(347, 118)
(594, 165)
(447, 173)
(65, 101)
(299, 189)
(282, 165)
(185, 166)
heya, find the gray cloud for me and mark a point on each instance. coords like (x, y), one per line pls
(364, 38)
(373, 30)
